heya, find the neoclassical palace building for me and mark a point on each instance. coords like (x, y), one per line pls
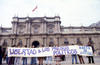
(47, 31)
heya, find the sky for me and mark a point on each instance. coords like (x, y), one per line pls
(72, 12)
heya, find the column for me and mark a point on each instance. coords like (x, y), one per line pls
(44, 41)
(58, 27)
(16, 28)
(44, 27)
(58, 41)
(30, 27)
(12, 41)
(26, 28)
(0, 42)
(13, 26)
(27, 42)
(15, 41)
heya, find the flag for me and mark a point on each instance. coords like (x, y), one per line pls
(34, 9)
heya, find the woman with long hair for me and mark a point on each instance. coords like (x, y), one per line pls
(11, 59)
(33, 59)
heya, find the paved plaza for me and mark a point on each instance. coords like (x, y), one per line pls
(68, 61)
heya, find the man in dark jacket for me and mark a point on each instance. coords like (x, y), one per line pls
(90, 58)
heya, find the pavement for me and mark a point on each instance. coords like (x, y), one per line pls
(68, 61)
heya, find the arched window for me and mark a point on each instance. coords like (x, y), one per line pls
(21, 29)
(35, 43)
(51, 41)
(20, 43)
(35, 30)
(50, 30)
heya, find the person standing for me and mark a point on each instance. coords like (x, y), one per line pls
(81, 59)
(25, 58)
(49, 59)
(33, 59)
(6, 55)
(11, 59)
(17, 59)
(0, 55)
(40, 59)
(74, 56)
(80, 56)
(90, 58)
(58, 57)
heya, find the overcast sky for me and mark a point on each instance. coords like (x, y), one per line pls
(72, 12)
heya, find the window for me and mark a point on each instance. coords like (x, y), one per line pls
(35, 30)
(50, 30)
(66, 41)
(21, 29)
(20, 43)
(50, 27)
(51, 41)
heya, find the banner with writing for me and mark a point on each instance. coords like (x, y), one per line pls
(49, 51)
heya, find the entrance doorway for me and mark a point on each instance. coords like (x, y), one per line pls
(35, 43)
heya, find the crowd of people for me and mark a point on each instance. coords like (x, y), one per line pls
(48, 60)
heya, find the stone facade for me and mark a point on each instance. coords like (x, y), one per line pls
(47, 31)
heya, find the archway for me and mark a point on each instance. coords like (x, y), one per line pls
(35, 43)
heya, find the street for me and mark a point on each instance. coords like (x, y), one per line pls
(68, 61)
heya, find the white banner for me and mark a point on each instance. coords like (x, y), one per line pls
(49, 51)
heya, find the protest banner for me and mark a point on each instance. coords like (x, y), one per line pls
(49, 51)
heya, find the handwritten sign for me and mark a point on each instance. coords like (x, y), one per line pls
(49, 51)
